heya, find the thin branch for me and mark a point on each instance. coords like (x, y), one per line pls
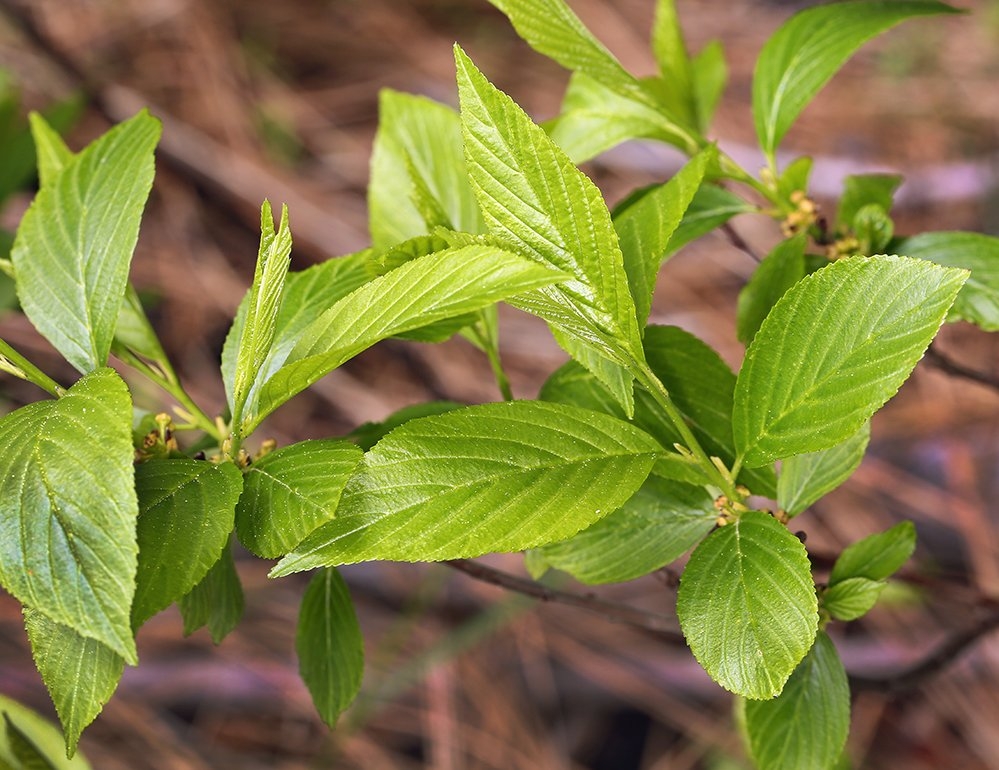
(949, 366)
(913, 676)
(660, 625)
(739, 242)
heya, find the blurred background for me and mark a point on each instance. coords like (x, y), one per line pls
(279, 100)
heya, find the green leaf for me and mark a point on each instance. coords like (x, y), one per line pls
(427, 290)
(873, 228)
(852, 598)
(978, 302)
(595, 118)
(29, 756)
(216, 602)
(861, 190)
(81, 674)
(806, 726)
(75, 243)
(417, 157)
(656, 526)
(645, 228)
(68, 509)
(42, 733)
(801, 57)
(329, 645)
(833, 350)
(535, 199)
(491, 478)
(747, 605)
(262, 307)
(877, 557)
(51, 151)
(710, 74)
(808, 477)
(289, 492)
(781, 269)
(674, 63)
(134, 334)
(186, 512)
(711, 207)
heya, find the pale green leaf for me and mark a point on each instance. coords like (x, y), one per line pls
(711, 207)
(216, 602)
(877, 557)
(417, 159)
(861, 190)
(51, 151)
(806, 726)
(42, 733)
(674, 63)
(852, 598)
(978, 301)
(833, 350)
(81, 674)
(533, 197)
(781, 269)
(262, 307)
(656, 526)
(186, 512)
(329, 645)
(68, 511)
(427, 290)
(75, 242)
(801, 57)
(134, 334)
(747, 605)
(709, 74)
(29, 756)
(491, 478)
(291, 491)
(807, 477)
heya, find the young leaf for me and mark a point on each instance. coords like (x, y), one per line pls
(833, 350)
(262, 306)
(534, 198)
(41, 732)
(805, 727)
(852, 598)
(417, 154)
(978, 301)
(808, 477)
(497, 477)
(674, 63)
(709, 74)
(747, 605)
(289, 492)
(329, 645)
(216, 602)
(861, 190)
(67, 512)
(430, 289)
(75, 242)
(877, 557)
(134, 334)
(81, 674)
(781, 269)
(807, 51)
(186, 511)
(711, 207)
(660, 523)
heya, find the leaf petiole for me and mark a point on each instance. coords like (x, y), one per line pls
(14, 363)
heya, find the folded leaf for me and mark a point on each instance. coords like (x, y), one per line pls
(68, 509)
(747, 605)
(833, 350)
(491, 478)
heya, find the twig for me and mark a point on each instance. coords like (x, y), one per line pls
(659, 625)
(914, 675)
(949, 366)
(739, 242)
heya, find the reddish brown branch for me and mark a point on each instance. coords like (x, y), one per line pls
(954, 368)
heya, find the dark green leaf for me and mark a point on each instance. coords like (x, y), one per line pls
(852, 598)
(660, 523)
(186, 512)
(805, 727)
(807, 477)
(81, 674)
(290, 492)
(877, 557)
(861, 190)
(711, 207)
(808, 50)
(781, 269)
(68, 509)
(833, 350)
(497, 477)
(978, 301)
(216, 602)
(329, 645)
(747, 605)
(75, 243)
